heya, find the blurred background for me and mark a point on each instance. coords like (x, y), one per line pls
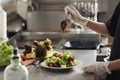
(46, 15)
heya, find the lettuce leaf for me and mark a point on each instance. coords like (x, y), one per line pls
(5, 53)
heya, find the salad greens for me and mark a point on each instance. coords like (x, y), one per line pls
(59, 60)
(49, 52)
(65, 56)
(41, 49)
(5, 53)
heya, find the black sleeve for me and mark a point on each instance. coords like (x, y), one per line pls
(112, 22)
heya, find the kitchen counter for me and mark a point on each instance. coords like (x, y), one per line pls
(55, 37)
(84, 57)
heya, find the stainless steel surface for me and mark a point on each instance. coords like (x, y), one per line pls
(55, 5)
(56, 37)
(50, 5)
(15, 25)
(85, 57)
(45, 20)
(22, 8)
(74, 74)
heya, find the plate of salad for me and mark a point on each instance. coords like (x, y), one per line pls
(60, 61)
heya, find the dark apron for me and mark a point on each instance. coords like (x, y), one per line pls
(115, 53)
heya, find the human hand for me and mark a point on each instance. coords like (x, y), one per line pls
(75, 16)
(98, 68)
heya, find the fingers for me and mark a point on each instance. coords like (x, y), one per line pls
(75, 10)
(69, 11)
(89, 69)
(86, 69)
(98, 68)
(86, 75)
(66, 11)
(73, 14)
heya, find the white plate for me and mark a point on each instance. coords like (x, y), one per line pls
(55, 68)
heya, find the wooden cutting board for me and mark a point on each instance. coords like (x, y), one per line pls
(29, 62)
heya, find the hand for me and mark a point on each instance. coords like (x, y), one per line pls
(75, 16)
(98, 68)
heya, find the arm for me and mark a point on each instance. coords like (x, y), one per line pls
(76, 17)
(114, 65)
(108, 45)
(98, 27)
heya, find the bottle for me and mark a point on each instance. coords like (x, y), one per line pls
(15, 70)
(3, 23)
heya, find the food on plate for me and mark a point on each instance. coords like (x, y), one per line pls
(61, 60)
(44, 51)
(5, 53)
(38, 49)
